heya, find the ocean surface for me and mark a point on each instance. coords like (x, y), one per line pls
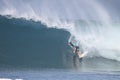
(34, 36)
(57, 74)
(30, 50)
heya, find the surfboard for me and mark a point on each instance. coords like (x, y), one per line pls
(82, 55)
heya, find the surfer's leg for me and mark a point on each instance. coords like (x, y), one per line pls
(75, 61)
(80, 59)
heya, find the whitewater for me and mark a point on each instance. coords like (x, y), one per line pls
(93, 24)
(34, 36)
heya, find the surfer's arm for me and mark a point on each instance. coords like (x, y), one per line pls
(73, 46)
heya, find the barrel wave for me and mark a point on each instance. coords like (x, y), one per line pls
(31, 44)
(36, 34)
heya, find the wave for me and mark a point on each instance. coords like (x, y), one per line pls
(27, 43)
(94, 26)
(31, 44)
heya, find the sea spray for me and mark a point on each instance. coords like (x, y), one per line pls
(90, 22)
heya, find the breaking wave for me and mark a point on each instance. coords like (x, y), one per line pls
(94, 26)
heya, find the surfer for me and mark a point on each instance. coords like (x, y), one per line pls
(76, 50)
(77, 54)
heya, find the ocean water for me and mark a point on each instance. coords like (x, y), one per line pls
(28, 43)
(34, 39)
(31, 51)
(57, 74)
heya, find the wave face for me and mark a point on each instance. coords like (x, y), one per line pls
(31, 44)
(93, 26)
